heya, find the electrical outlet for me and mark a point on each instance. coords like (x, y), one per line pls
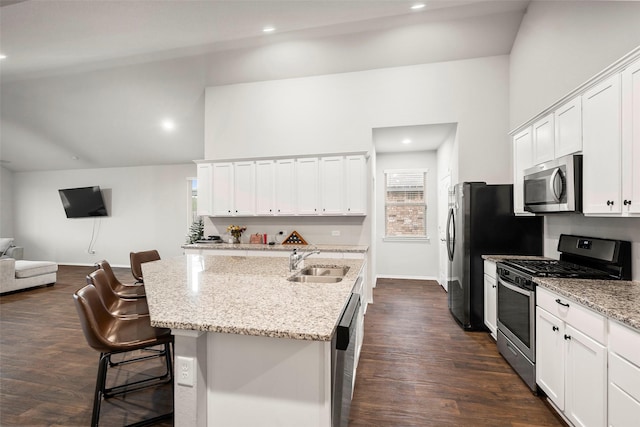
(184, 367)
(335, 233)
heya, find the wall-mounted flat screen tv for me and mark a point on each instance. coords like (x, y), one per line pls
(83, 202)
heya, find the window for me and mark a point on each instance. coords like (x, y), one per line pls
(406, 203)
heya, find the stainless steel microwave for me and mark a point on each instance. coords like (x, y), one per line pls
(554, 186)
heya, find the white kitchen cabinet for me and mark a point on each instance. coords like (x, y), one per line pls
(265, 187)
(571, 358)
(222, 189)
(624, 376)
(568, 128)
(490, 298)
(522, 159)
(601, 146)
(244, 188)
(307, 185)
(543, 139)
(332, 185)
(631, 139)
(204, 174)
(285, 187)
(355, 185)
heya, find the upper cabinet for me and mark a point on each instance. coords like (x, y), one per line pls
(543, 140)
(332, 185)
(601, 121)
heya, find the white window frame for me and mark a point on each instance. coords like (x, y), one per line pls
(407, 238)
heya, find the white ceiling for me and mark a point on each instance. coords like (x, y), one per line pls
(49, 41)
(399, 139)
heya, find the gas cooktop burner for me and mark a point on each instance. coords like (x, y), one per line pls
(555, 268)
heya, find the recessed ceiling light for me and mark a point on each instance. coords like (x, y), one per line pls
(406, 141)
(417, 6)
(3, 56)
(268, 29)
(75, 158)
(168, 125)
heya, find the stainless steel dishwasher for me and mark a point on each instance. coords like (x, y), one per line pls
(344, 344)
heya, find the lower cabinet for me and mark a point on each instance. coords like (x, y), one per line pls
(571, 358)
(624, 376)
(490, 298)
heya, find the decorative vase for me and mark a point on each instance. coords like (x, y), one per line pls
(236, 239)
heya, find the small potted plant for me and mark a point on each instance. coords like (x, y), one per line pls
(236, 232)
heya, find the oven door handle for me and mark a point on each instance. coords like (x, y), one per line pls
(514, 288)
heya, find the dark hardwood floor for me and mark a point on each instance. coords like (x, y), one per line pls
(417, 367)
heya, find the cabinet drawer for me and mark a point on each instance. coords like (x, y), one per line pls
(624, 375)
(624, 341)
(576, 315)
(490, 268)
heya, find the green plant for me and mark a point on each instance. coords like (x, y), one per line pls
(196, 231)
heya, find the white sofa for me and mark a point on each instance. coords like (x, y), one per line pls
(21, 274)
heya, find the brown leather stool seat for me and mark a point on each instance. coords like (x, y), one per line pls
(110, 334)
(121, 289)
(115, 304)
(136, 260)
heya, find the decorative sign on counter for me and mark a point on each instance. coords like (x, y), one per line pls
(294, 239)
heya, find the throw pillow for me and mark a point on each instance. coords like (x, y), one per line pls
(5, 243)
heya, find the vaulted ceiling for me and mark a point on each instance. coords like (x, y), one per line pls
(88, 84)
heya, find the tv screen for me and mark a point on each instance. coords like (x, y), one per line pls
(83, 202)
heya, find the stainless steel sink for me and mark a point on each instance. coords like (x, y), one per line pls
(324, 271)
(315, 279)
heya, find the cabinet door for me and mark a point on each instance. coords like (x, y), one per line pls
(222, 190)
(355, 185)
(244, 188)
(631, 138)
(601, 146)
(586, 380)
(307, 176)
(543, 139)
(550, 356)
(522, 159)
(568, 128)
(285, 185)
(332, 185)
(490, 313)
(204, 207)
(265, 187)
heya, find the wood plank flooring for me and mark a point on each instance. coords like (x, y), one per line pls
(417, 368)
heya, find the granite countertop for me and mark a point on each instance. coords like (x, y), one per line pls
(616, 299)
(276, 247)
(498, 258)
(245, 295)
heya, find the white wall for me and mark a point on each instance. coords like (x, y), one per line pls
(6, 202)
(147, 209)
(561, 45)
(403, 259)
(337, 112)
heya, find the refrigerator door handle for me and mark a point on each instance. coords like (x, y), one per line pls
(451, 234)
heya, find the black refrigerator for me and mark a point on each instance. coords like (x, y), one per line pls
(481, 222)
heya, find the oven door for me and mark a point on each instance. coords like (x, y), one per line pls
(516, 316)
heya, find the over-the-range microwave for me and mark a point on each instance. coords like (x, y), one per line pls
(554, 186)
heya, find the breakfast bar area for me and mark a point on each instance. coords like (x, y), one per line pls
(247, 335)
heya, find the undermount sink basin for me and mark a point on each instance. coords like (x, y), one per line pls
(324, 271)
(315, 279)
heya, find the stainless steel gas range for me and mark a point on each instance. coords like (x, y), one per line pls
(580, 258)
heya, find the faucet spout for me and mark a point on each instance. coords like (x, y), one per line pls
(296, 258)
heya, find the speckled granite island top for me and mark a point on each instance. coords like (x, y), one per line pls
(498, 258)
(616, 299)
(277, 247)
(245, 295)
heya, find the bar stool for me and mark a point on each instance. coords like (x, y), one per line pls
(136, 260)
(109, 334)
(121, 289)
(113, 303)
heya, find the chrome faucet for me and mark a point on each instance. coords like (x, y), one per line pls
(295, 258)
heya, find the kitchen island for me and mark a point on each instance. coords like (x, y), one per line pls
(252, 348)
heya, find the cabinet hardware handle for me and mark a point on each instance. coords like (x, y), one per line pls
(562, 303)
(555, 328)
(610, 203)
(493, 286)
(627, 202)
(567, 337)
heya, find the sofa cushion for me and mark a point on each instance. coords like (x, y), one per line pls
(5, 242)
(34, 268)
